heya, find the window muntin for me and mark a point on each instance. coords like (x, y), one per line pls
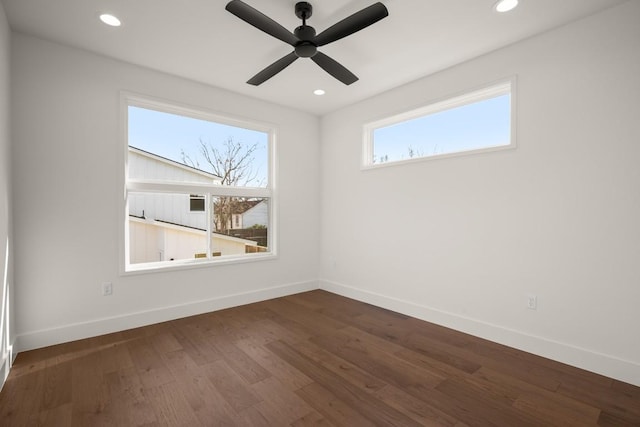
(478, 121)
(174, 184)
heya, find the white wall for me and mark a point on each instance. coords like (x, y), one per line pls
(557, 217)
(6, 238)
(68, 179)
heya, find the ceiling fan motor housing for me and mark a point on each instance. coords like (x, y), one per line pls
(305, 48)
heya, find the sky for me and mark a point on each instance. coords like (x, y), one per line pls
(486, 123)
(167, 134)
(478, 125)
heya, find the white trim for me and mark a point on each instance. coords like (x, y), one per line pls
(187, 264)
(604, 364)
(5, 365)
(195, 112)
(196, 188)
(502, 87)
(77, 331)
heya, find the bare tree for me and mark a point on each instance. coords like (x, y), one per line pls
(233, 162)
(381, 159)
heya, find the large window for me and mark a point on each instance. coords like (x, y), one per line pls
(198, 187)
(481, 120)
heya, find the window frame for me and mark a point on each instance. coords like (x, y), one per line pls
(209, 191)
(194, 197)
(501, 87)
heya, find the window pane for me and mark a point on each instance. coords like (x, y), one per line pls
(473, 126)
(171, 147)
(240, 225)
(196, 203)
(161, 228)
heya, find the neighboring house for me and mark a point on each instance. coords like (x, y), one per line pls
(165, 227)
(247, 214)
(258, 214)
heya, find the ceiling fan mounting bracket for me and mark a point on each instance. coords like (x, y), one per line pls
(304, 10)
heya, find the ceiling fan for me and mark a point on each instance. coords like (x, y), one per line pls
(304, 40)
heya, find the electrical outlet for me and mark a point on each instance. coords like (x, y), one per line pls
(107, 289)
(532, 302)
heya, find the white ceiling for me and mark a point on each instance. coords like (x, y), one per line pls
(200, 40)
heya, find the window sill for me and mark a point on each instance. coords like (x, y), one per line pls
(165, 266)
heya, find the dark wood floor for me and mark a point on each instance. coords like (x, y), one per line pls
(308, 359)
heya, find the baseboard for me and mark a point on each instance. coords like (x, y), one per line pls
(72, 332)
(5, 365)
(602, 364)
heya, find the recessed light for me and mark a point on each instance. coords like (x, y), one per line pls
(318, 92)
(110, 20)
(505, 5)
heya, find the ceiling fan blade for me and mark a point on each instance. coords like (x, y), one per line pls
(334, 68)
(356, 22)
(261, 21)
(273, 69)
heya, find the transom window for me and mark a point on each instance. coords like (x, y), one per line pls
(198, 187)
(481, 120)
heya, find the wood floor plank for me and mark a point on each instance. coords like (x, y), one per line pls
(207, 403)
(385, 365)
(417, 409)
(164, 342)
(251, 371)
(128, 405)
(314, 358)
(487, 408)
(251, 417)
(547, 405)
(556, 409)
(460, 356)
(57, 386)
(150, 366)
(401, 332)
(607, 419)
(197, 344)
(58, 416)
(90, 393)
(285, 373)
(628, 390)
(313, 419)
(277, 328)
(332, 408)
(230, 385)
(20, 399)
(279, 405)
(307, 319)
(344, 369)
(614, 403)
(357, 399)
(170, 406)
(325, 304)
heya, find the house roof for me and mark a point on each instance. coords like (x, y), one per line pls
(173, 162)
(174, 225)
(245, 205)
